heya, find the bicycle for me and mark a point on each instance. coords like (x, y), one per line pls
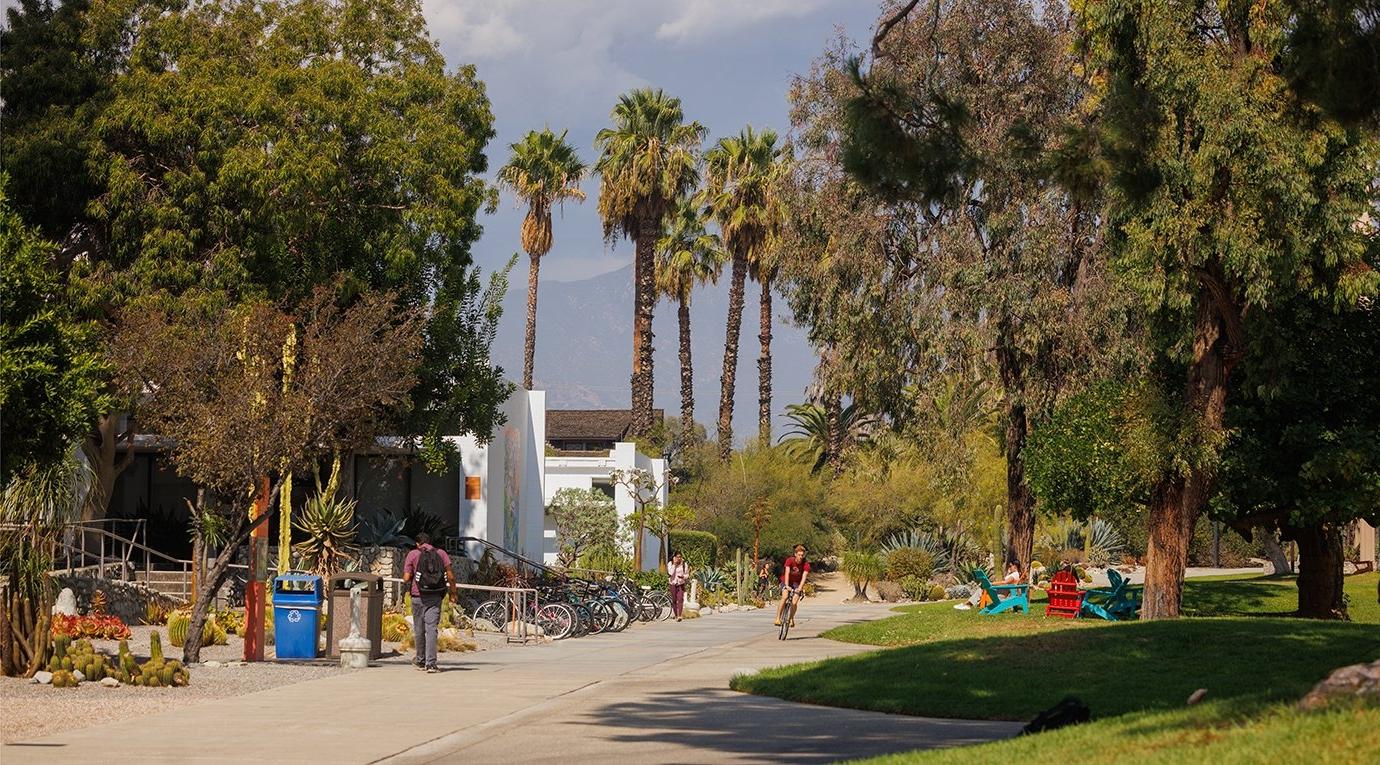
(788, 613)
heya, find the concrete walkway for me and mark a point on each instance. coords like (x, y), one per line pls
(655, 694)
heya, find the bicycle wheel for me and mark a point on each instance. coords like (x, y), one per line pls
(623, 616)
(663, 605)
(493, 611)
(603, 616)
(557, 620)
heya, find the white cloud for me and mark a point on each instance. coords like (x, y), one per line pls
(481, 30)
(698, 20)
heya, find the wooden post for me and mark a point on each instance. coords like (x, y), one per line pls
(254, 588)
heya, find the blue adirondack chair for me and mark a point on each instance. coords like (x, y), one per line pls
(1004, 597)
(1119, 602)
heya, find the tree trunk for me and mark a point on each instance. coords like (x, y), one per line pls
(833, 410)
(1179, 497)
(214, 576)
(644, 301)
(1274, 551)
(105, 469)
(529, 350)
(764, 363)
(1020, 501)
(687, 373)
(1320, 572)
(210, 583)
(737, 283)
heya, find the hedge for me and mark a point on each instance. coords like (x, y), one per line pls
(700, 548)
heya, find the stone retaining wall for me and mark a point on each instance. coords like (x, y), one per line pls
(127, 600)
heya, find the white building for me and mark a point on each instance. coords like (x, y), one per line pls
(498, 492)
(506, 484)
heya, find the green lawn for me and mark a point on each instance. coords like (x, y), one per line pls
(1134, 676)
(1203, 734)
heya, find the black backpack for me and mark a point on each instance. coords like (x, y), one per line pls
(1070, 711)
(431, 573)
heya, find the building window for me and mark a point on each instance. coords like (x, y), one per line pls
(603, 487)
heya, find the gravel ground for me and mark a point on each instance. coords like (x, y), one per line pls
(32, 711)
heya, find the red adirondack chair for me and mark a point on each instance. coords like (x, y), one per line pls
(1065, 599)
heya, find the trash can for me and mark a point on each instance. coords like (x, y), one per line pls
(296, 610)
(370, 606)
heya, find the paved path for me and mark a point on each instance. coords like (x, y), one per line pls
(655, 694)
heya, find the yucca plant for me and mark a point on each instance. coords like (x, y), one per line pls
(862, 569)
(329, 524)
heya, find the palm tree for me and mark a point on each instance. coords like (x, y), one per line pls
(740, 192)
(812, 433)
(649, 159)
(543, 171)
(687, 256)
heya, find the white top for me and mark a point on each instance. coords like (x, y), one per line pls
(678, 573)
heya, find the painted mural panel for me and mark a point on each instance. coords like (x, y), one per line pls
(512, 485)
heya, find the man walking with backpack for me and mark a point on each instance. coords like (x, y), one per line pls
(427, 569)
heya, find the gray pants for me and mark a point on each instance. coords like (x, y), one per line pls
(426, 619)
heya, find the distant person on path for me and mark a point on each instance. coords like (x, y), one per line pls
(678, 575)
(1013, 576)
(764, 579)
(427, 569)
(793, 576)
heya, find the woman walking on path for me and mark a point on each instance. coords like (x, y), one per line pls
(677, 574)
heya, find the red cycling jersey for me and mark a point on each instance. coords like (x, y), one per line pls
(794, 571)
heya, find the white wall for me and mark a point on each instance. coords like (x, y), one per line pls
(582, 472)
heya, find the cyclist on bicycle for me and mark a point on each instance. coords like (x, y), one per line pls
(793, 576)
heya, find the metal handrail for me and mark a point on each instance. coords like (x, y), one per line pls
(515, 601)
(128, 547)
(452, 545)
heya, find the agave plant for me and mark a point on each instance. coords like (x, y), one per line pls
(1105, 545)
(418, 521)
(712, 579)
(329, 524)
(934, 545)
(382, 529)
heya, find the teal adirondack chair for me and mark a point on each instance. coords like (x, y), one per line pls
(1119, 602)
(1004, 597)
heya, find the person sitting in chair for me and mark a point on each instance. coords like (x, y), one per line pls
(1013, 576)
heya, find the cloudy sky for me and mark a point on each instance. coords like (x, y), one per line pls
(563, 63)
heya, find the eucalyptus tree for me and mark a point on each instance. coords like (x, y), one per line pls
(742, 176)
(648, 159)
(543, 171)
(926, 237)
(1231, 194)
(687, 256)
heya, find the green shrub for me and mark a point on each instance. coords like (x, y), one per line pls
(1236, 551)
(700, 548)
(890, 591)
(914, 587)
(657, 580)
(937, 592)
(909, 561)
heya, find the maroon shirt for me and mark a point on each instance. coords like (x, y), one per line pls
(795, 571)
(410, 565)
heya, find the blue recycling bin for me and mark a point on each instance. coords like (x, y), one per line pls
(296, 609)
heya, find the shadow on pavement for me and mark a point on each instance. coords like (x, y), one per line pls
(731, 723)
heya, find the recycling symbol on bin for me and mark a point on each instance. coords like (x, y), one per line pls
(294, 616)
